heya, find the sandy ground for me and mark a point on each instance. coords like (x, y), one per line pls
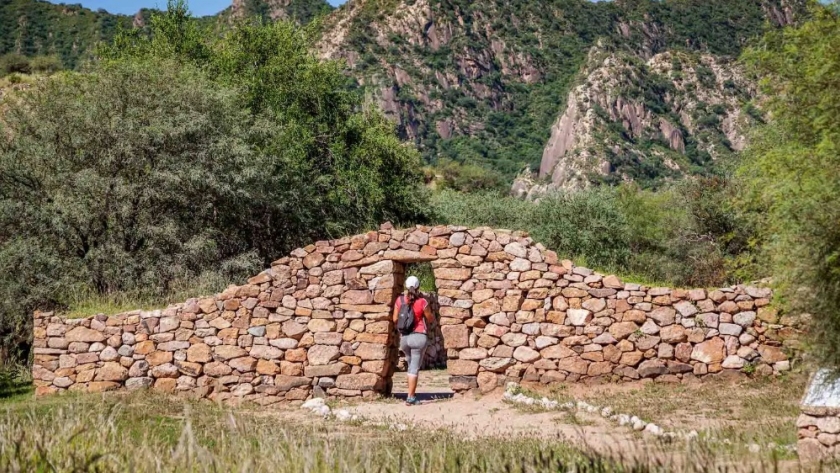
(489, 415)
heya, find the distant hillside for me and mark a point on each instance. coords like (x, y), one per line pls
(303, 11)
(38, 27)
(484, 81)
(579, 92)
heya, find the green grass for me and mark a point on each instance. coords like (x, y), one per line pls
(85, 303)
(111, 304)
(15, 381)
(761, 410)
(423, 272)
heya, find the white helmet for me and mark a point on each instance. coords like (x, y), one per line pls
(412, 283)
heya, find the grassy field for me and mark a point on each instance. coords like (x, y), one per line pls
(146, 432)
(151, 432)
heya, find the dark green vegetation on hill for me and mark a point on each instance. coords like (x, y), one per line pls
(39, 28)
(72, 32)
(303, 11)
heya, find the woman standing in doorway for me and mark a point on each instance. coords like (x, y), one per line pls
(413, 343)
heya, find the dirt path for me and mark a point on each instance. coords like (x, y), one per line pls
(706, 407)
(747, 413)
(489, 415)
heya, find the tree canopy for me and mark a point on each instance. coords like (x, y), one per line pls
(183, 152)
(793, 166)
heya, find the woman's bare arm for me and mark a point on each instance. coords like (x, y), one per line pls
(396, 314)
(430, 317)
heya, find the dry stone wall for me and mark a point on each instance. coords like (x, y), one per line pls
(318, 323)
(819, 434)
(819, 423)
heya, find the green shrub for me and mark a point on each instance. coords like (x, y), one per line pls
(687, 234)
(587, 225)
(15, 64)
(469, 177)
(46, 64)
(492, 209)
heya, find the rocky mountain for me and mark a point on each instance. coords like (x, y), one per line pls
(583, 92)
(576, 92)
(646, 120)
(303, 11)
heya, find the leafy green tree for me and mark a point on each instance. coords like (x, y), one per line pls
(15, 64)
(587, 225)
(469, 177)
(124, 172)
(792, 169)
(182, 153)
(46, 64)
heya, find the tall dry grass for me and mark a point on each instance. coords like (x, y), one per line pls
(150, 433)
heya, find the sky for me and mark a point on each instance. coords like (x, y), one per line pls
(130, 7)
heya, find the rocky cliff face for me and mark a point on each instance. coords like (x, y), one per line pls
(302, 11)
(484, 81)
(648, 121)
(578, 92)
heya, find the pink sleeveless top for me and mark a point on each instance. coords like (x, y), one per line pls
(418, 307)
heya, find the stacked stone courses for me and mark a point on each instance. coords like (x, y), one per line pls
(318, 323)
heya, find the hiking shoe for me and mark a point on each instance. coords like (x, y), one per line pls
(411, 401)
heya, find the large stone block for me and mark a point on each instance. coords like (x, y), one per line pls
(486, 308)
(473, 354)
(284, 383)
(579, 317)
(453, 274)
(322, 354)
(112, 372)
(771, 354)
(361, 382)
(330, 370)
(710, 351)
(228, 352)
(664, 316)
(199, 353)
(573, 365)
(83, 334)
(246, 364)
(526, 354)
(462, 367)
(358, 297)
(652, 368)
(622, 330)
(313, 260)
(557, 352)
(496, 365)
(371, 351)
(673, 334)
(455, 336)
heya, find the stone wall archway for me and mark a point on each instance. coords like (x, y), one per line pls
(318, 322)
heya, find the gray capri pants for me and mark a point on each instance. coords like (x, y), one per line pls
(414, 346)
